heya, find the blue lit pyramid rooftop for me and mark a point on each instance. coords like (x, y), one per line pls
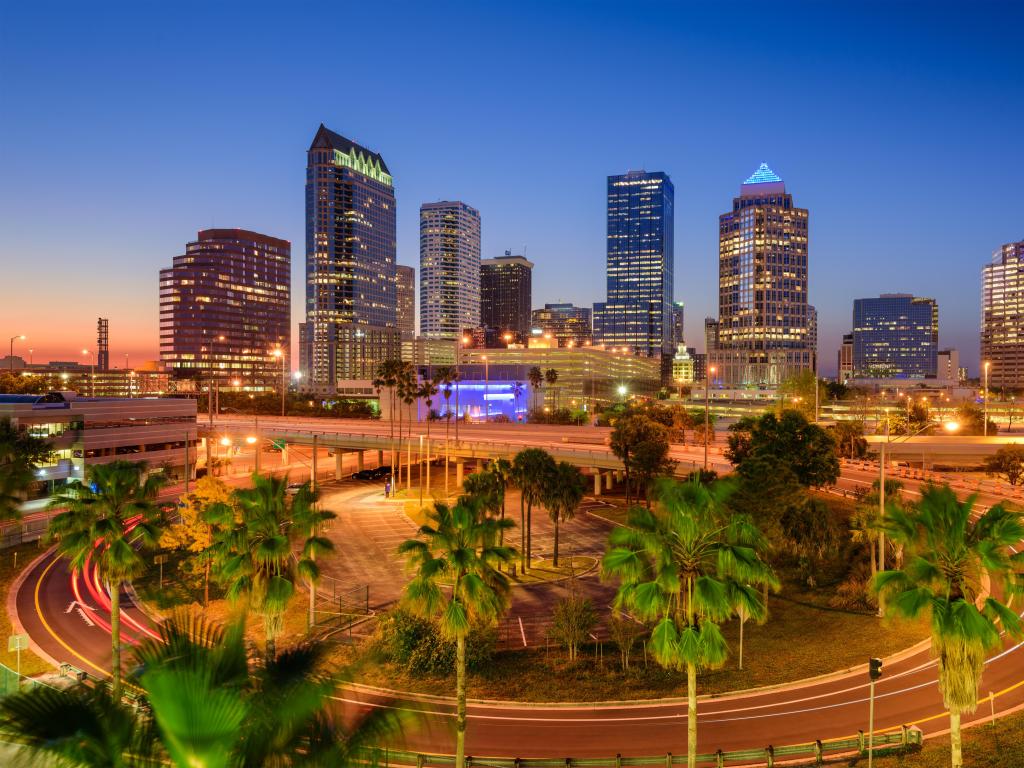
(763, 175)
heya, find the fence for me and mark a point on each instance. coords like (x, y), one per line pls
(814, 753)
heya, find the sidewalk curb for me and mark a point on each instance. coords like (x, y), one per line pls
(12, 607)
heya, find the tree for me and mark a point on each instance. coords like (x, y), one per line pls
(562, 493)
(459, 549)
(688, 565)
(536, 378)
(624, 631)
(796, 392)
(445, 377)
(531, 467)
(952, 554)
(387, 378)
(572, 621)
(551, 377)
(308, 522)
(427, 392)
(642, 446)
(849, 439)
(766, 490)
(517, 392)
(20, 453)
(194, 533)
(1007, 462)
(254, 552)
(972, 420)
(808, 450)
(103, 517)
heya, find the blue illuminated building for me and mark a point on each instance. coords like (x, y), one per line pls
(895, 336)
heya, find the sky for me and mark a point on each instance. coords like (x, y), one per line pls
(127, 127)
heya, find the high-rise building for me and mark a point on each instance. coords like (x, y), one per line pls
(568, 324)
(678, 324)
(351, 311)
(1002, 316)
(710, 334)
(895, 336)
(102, 344)
(682, 366)
(949, 366)
(405, 300)
(225, 307)
(764, 330)
(449, 269)
(844, 362)
(637, 312)
(506, 295)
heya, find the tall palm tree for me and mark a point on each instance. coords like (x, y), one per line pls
(308, 521)
(517, 392)
(427, 391)
(531, 467)
(387, 378)
(950, 554)
(503, 476)
(255, 551)
(687, 565)
(536, 377)
(445, 378)
(551, 377)
(458, 548)
(406, 391)
(20, 452)
(562, 493)
(103, 519)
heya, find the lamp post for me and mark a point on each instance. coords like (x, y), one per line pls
(985, 395)
(460, 343)
(92, 374)
(279, 353)
(707, 412)
(10, 359)
(487, 385)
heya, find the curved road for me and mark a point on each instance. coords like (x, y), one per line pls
(68, 620)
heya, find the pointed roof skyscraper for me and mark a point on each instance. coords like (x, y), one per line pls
(763, 180)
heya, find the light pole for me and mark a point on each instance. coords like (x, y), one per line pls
(92, 374)
(487, 385)
(10, 359)
(458, 376)
(279, 353)
(707, 412)
(985, 395)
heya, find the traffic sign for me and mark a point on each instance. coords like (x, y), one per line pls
(17, 644)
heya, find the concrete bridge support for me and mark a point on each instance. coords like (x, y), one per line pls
(460, 468)
(597, 480)
(380, 459)
(359, 460)
(339, 457)
(608, 478)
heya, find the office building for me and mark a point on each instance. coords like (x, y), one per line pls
(844, 361)
(765, 326)
(948, 367)
(678, 324)
(225, 308)
(895, 336)
(700, 364)
(405, 300)
(449, 269)
(506, 295)
(637, 311)
(682, 366)
(351, 308)
(567, 324)
(1002, 316)
(83, 431)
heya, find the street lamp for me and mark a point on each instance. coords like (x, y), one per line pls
(279, 353)
(92, 374)
(18, 337)
(985, 426)
(707, 411)
(487, 386)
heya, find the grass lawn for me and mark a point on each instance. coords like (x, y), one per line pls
(12, 562)
(984, 746)
(797, 641)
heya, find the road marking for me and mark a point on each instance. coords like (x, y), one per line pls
(48, 628)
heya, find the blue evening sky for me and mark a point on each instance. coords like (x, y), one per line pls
(126, 127)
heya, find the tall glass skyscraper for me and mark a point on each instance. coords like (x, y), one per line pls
(765, 329)
(895, 336)
(638, 310)
(1002, 316)
(351, 316)
(506, 295)
(449, 269)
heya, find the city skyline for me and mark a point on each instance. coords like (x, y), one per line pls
(931, 244)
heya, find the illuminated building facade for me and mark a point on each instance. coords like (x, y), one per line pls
(637, 312)
(568, 324)
(678, 324)
(405, 296)
(449, 269)
(351, 308)
(844, 361)
(225, 305)
(1002, 316)
(895, 336)
(765, 327)
(506, 295)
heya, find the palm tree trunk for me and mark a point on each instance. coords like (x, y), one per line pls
(460, 697)
(268, 629)
(522, 534)
(311, 620)
(691, 716)
(556, 542)
(529, 534)
(206, 583)
(955, 748)
(115, 639)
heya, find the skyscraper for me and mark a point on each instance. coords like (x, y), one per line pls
(895, 336)
(405, 300)
(764, 328)
(1002, 316)
(351, 316)
(844, 360)
(678, 324)
(637, 312)
(506, 295)
(568, 324)
(225, 306)
(449, 269)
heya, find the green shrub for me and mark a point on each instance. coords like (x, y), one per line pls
(417, 645)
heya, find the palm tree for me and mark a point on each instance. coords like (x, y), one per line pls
(459, 548)
(103, 518)
(536, 378)
(387, 378)
(427, 392)
(407, 393)
(517, 392)
(551, 377)
(950, 557)
(308, 522)
(688, 565)
(531, 468)
(255, 551)
(19, 454)
(445, 377)
(562, 493)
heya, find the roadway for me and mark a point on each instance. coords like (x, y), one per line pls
(70, 625)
